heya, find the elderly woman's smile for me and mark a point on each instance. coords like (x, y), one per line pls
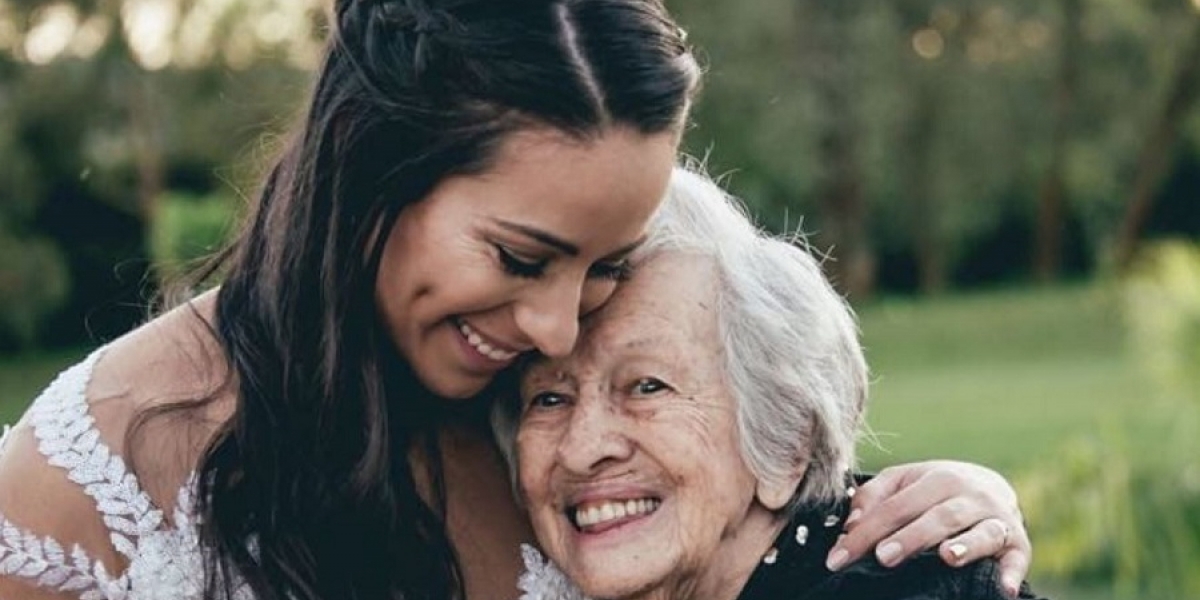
(595, 516)
(629, 453)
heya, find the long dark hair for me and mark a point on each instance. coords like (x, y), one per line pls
(307, 492)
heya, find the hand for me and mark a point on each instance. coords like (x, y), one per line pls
(969, 511)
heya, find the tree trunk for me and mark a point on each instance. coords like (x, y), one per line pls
(1158, 149)
(918, 138)
(146, 133)
(1052, 195)
(827, 57)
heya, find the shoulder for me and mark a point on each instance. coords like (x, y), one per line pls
(68, 497)
(173, 361)
(924, 577)
(46, 518)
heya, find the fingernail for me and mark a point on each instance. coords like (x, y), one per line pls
(855, 515)
(888, 553)
(1011, 586)
(837, 559)
(958, 550)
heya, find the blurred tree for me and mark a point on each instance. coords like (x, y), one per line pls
(33, 284)
(1159, 146)
(918, 136)
(1051, 203)
(829, 61)
(113, 103)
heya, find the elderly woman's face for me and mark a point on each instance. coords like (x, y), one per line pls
(628, 449)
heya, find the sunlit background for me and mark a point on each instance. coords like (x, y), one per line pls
(1008, 191)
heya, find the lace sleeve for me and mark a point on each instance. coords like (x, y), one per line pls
(43, 562)
(542, 580)
(42, 530)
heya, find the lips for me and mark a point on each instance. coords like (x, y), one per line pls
(487, 347)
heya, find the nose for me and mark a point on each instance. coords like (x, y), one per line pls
(549, 316)
(594, 438)
(595, 294)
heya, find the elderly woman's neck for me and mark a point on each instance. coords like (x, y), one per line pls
(731, 566)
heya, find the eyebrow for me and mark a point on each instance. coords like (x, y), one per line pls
(550, 240)
(560, 244)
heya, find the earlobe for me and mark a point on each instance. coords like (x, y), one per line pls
(775, 495)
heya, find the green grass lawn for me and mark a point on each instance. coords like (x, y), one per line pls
(22, 378)
(1002, 378)
(1006, 379)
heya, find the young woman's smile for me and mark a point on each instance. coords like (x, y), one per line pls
(492, 265)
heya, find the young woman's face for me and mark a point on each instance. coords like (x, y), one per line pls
(492, 265)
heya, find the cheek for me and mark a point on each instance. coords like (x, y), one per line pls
(533, 465)
(595, 294)
(709, 464)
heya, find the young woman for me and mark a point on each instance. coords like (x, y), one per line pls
(468, 180)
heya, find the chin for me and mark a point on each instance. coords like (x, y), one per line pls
(450, 387)
(457, 391)
(615, 586)
(615, 578)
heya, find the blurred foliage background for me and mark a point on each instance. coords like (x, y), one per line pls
(1009, 191)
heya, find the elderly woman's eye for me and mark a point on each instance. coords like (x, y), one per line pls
(547, 400)
(649, 385)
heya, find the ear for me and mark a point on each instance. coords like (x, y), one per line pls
(774, 495)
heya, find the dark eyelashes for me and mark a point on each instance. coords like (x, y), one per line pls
(518, 267)
(618, 271)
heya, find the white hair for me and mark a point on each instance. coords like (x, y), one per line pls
(792, 356)
(793, 360)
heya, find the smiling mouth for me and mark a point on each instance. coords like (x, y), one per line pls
(595, 516)
(480, 345)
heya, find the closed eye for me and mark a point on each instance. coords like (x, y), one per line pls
(520, 266)
(615, 271)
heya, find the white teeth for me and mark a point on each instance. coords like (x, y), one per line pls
(609, 511)
(483, 347)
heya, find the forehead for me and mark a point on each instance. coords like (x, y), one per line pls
(594, 185)
(668, 307)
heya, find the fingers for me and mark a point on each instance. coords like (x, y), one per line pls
(1014, 565)
(910, 508)
(928, 529)
(988, 537)
(881, 520)
(993, 537)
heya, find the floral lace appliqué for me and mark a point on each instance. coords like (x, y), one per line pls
(165, 559)
(542, 580)
(44, 562)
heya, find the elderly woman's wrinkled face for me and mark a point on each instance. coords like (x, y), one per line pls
(628, 449)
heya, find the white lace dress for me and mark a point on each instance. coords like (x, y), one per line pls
(164, 557)
(542, 580)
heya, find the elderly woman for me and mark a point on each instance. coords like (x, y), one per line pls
(685, 451)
